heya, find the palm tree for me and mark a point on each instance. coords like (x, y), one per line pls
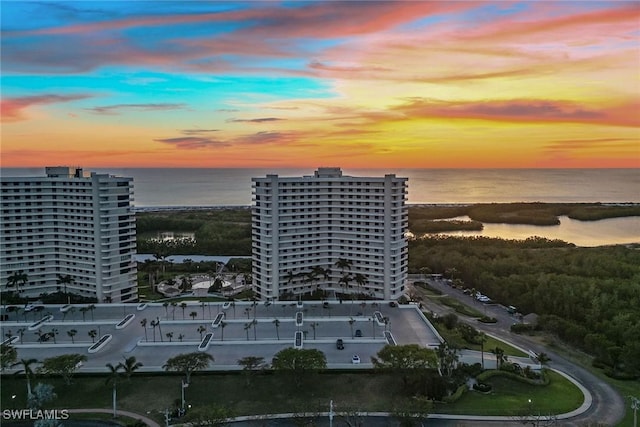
(202, 305)
(499, 356)
(93, 334)
(143, 323)
(351, 322)
(361, 280)
(16, 280)
(254, 323)
(233, 305)
(53, 334)
(159, 328)
(130, 365)
(201, 330)
(276, 322)
(482, 337)
(166, 308)
(154, 325)
(65, 280)
(183, 305)
(84, 310)
(173, 306)
(222, 325)
(91, 308)
(170, 336)
(21, 332)
(28, 372)
(314, 325)
(248, 326)
(114, 374)
(193, 315)
(180, 337)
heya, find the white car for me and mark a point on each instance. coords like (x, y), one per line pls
(355, 359)
(29, 307)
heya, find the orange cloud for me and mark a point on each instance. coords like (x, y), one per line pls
(13, 109)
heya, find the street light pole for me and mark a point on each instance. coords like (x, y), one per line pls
(635, 405)
(331, 413)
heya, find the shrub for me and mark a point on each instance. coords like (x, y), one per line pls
(456, 395)
(482, 387)
(487, 319)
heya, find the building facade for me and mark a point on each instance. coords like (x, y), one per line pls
(329, 232)
(68, 223)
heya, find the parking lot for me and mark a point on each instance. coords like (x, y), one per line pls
(247, 329)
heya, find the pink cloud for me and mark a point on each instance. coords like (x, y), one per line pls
(523, 110)
(13, 109)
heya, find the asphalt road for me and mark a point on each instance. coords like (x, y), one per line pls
(607, 407)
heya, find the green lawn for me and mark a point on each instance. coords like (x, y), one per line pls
(459, 307)
(270, 393)
(510, 397)
(453, 337)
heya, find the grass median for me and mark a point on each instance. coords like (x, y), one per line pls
(272, 393)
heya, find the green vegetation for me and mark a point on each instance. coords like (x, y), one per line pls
(589, 297)
(515, 213)
(217, 232)
(459, 307)
(510, 397)
(443, 226)
(270, 393)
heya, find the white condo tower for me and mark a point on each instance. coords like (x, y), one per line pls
(330, 232)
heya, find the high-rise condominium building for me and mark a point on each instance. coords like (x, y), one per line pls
(68, 224)
(330, 232)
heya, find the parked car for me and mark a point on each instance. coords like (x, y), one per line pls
(358, 333)
(355, 359)
(393, 304)
(340, 344)
(29, 307)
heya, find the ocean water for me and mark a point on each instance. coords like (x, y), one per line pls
(232, 187)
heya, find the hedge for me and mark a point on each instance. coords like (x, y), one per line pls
(457, 395)
(496, 373)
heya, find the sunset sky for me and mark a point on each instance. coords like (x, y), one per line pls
(407, 84)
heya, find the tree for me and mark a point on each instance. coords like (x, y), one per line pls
(183, 306)
(91, 308)
(299, 362)
(500, 357)
(21, 332)
(16, 280)
(8, 356)
(169, 336)
(193, 315)
(130, 365)
(173, 310)
(222, 325)
(114, 374)
(351, 322)
(481, 338)
(276, 323)
(166, 308)
(248, 326)
(64, 365)
(143, 323)
(361, 280)
(93, 334)
(404, 359)
(42, 393)
(447, 358)
(53, 334)
(65, 280)
(84, 310)
(188, 363)
(28, 371)
(201, 330)
(314, 325)
(250, 364)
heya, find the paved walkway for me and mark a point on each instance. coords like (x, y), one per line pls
(148, 421)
